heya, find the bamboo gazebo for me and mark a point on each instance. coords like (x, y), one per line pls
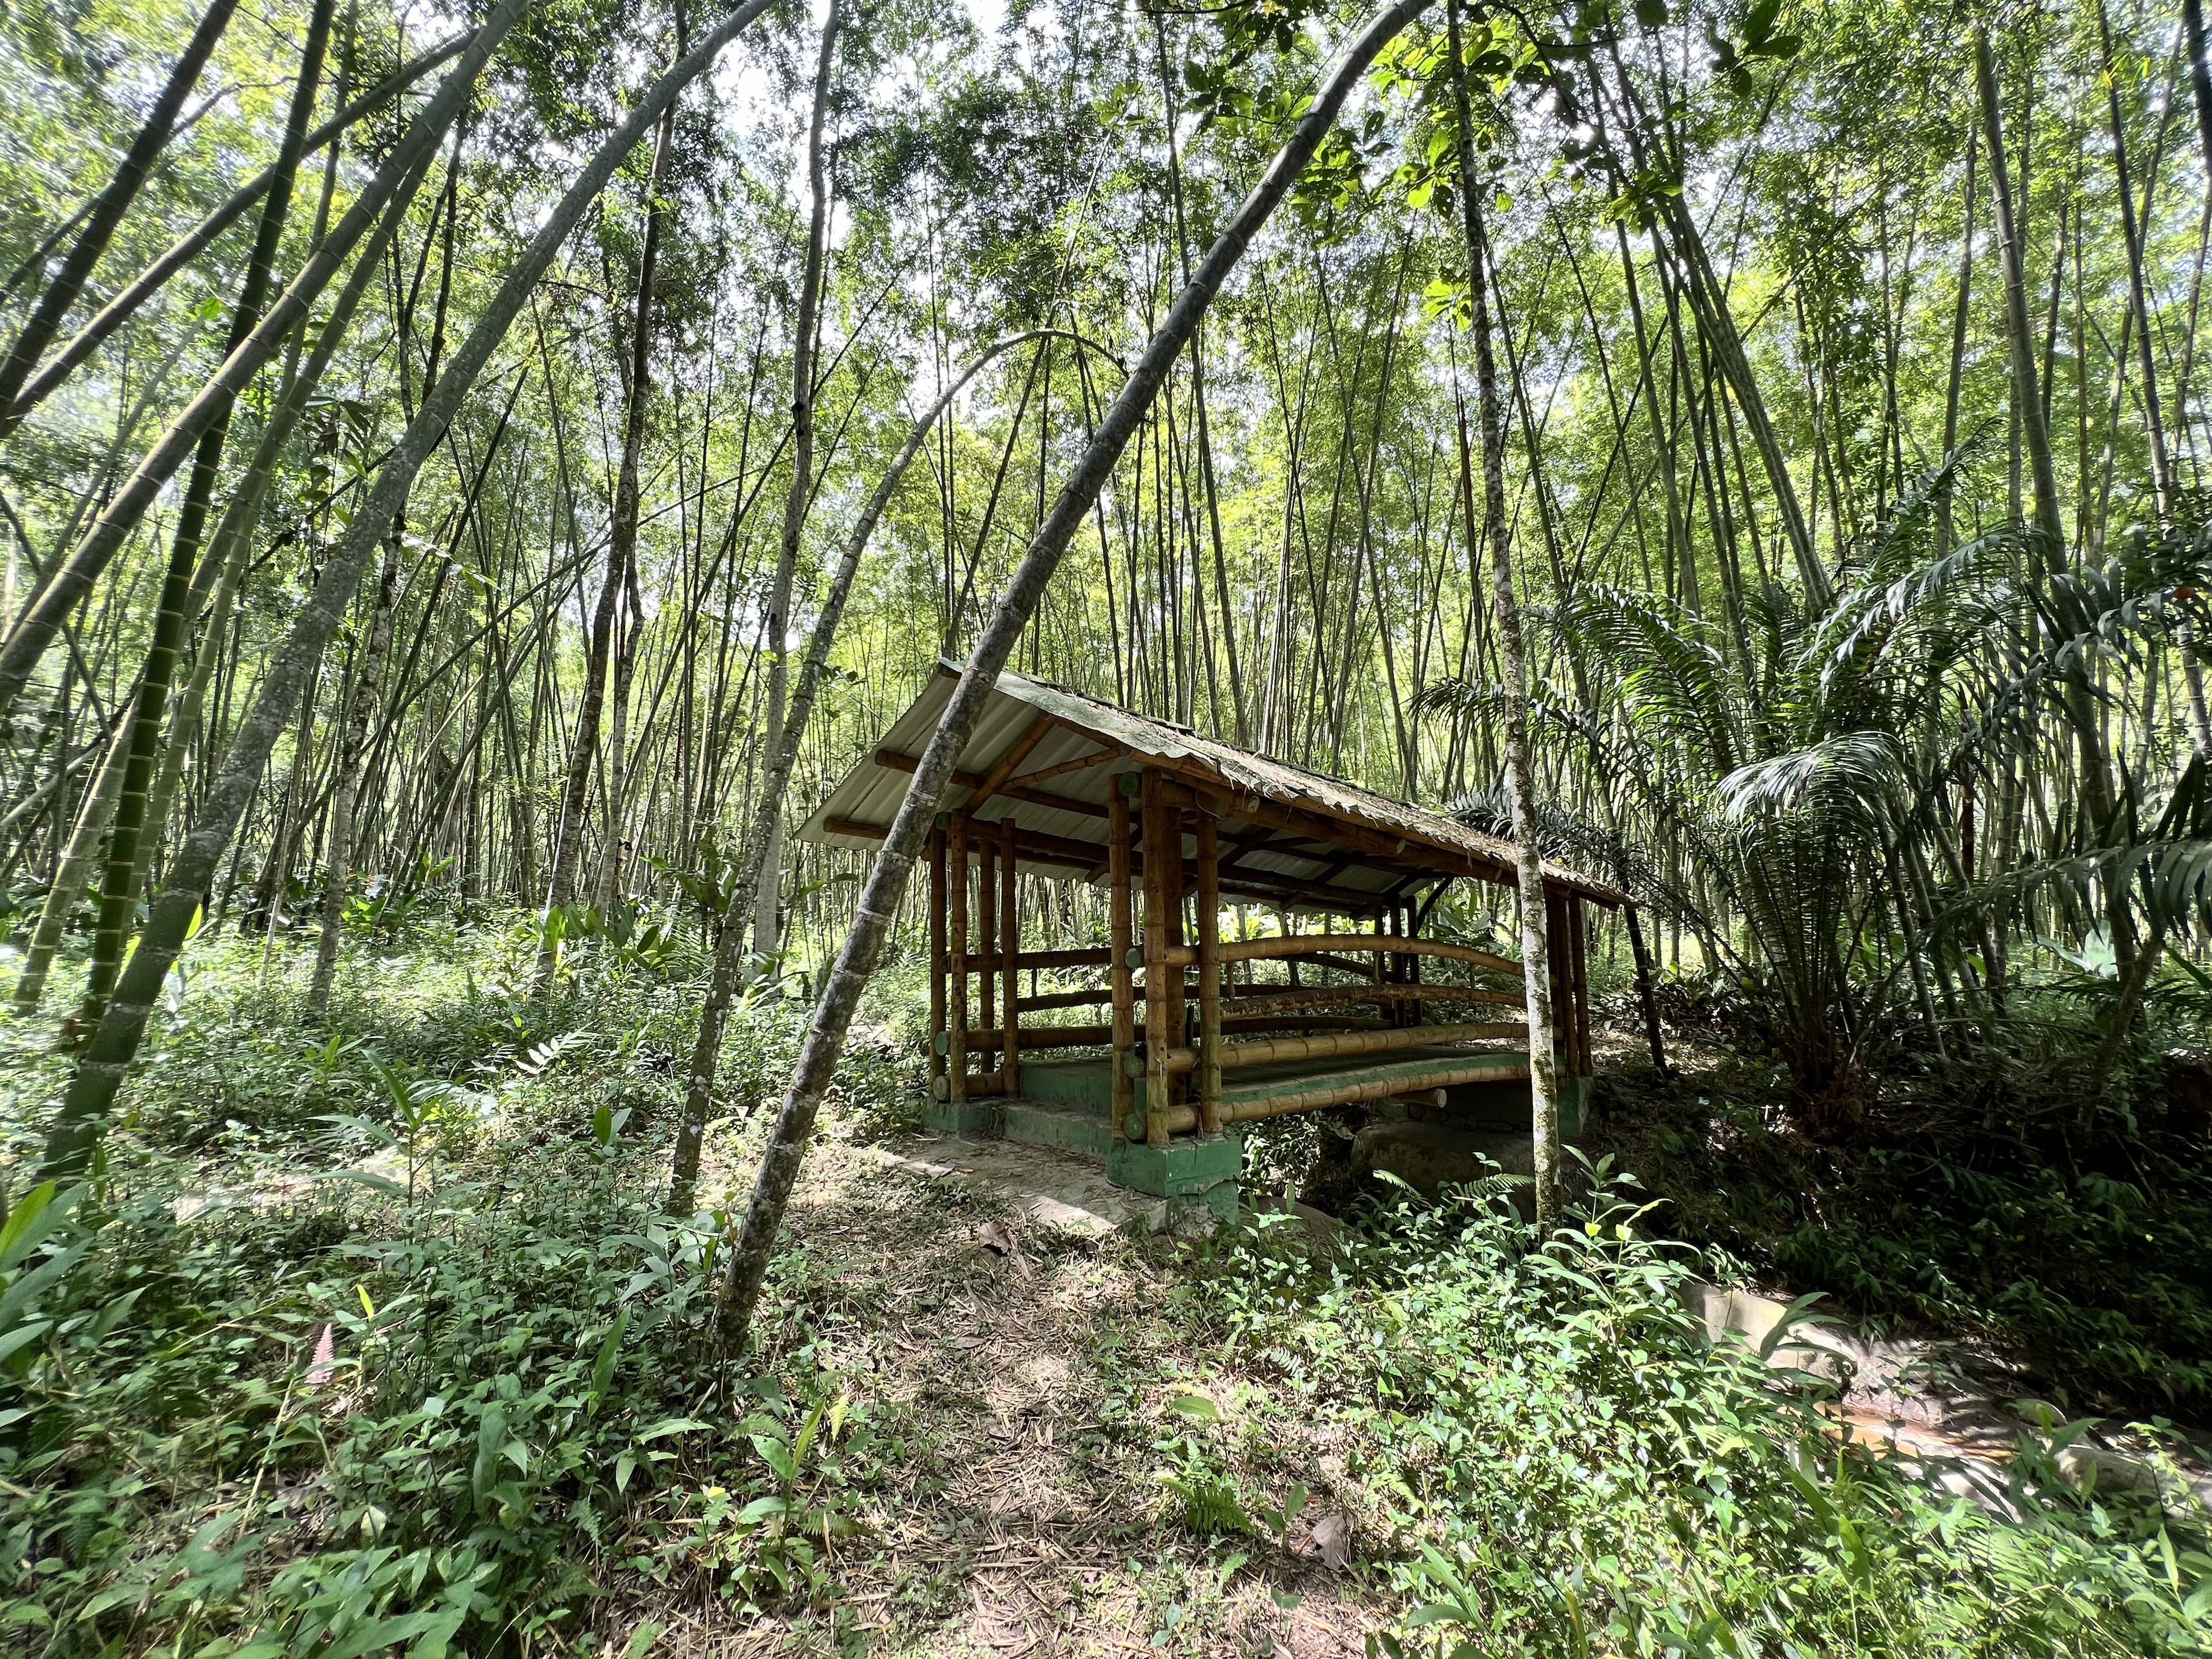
(1199, 1033)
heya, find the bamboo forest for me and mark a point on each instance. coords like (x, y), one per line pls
(1371, 828)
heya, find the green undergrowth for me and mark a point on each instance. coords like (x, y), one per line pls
(1553, 1461)
(368, 1335)
(2012, 1192)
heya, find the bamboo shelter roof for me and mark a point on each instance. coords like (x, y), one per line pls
(1290, 837)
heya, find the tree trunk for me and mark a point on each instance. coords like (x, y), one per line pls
(622, 551)
(764, 898)
(70, 874)
(357, 713)
(2200, 88)
(107, 210)
(1490, 419)
(729, 940)
(194, 242)
(99, 1072)
(68, 584)
(118, 897)
(748, 1257)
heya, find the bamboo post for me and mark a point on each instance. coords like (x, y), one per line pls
(1416, 1012)
(1179, 950)
(1010, 950)
(1556, 927)
(987, 925)
(936, 962)
(1157, 987)
(1209, 975)
(956, 929)
(1578, 926)
(1120, 931)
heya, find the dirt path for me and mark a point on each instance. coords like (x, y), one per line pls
(1013, 1375)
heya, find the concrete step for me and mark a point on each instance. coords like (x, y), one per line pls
(1048, 1123)
(1081, 1085)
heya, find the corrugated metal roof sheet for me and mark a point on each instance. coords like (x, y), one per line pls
(1365, 848)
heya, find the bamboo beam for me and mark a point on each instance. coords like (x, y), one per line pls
(1279, 1051)
(1010, 929)
(1093, 857)
(1047, 1000)
(1014, 756)
(1080, 763)
(1047, 1037)
(1101, 1035)
(1209, 975)
(957, 964)
(1301, 945)
(891, 760)
(1501, 1066)
(1119, 991)
(1277, 1000)
(1095, 956)
(1342, 964)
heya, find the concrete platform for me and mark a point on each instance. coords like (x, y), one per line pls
(1496, 1102)
(1052, 1188)
(1065, 1107)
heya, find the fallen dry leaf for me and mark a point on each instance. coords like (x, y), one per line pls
(1332, 1537)
(993, 1235)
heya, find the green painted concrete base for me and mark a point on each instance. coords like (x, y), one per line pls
(963, 1117)
(1574, 1094)
(1038, 1123)
(1066, 1105)
(1085, 1083)
(1194, 1170)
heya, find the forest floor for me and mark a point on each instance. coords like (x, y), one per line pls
(372, 1334)
(1023, 1520)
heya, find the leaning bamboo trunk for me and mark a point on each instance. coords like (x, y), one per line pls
(99, 1072)
(107, 210)
(74, 870)
(73, 578)
(224, 568)
(119, 898)
(194, 242)
(730, 939)
(1535, 944)
(747, 1264)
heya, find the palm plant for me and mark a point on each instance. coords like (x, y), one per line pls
(1820, 766)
